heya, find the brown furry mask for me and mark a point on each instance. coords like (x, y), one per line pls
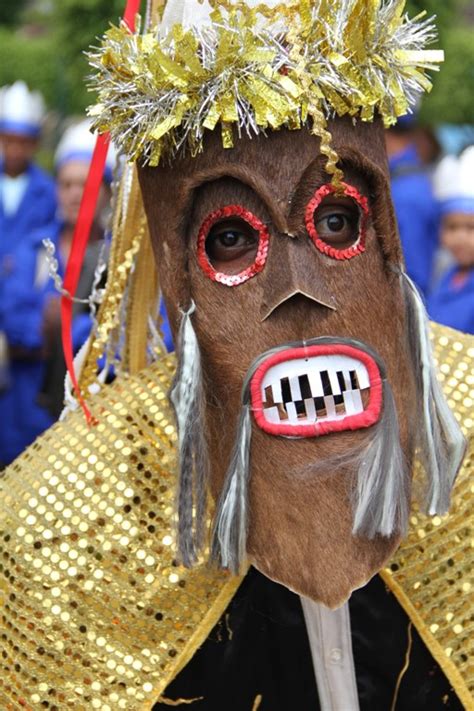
(313, 355)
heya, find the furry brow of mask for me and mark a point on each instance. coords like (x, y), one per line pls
(285, 213)
(215, 194)
(280, 168)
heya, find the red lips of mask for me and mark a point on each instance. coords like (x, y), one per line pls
(311, 390)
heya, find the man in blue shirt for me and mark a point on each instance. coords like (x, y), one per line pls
(415, 206)
(27, 193)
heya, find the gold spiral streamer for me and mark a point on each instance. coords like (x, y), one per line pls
(110, 314)
(319, 129)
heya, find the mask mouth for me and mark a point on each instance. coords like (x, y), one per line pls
(315, 388)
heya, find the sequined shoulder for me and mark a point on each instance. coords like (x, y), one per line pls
(96, 614)
(431, 573)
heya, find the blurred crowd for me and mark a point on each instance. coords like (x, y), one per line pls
(434, 203)
(35, 207)
(433, 196)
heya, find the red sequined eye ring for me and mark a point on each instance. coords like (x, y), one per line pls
(313, 205)
(262, 250)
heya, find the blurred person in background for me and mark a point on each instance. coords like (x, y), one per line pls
(452, 300)
(428, 148)
(27, 193)
(32, 322)
(415, 205)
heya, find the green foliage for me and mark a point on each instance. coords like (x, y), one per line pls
(445, 11)
(32, 60)
(11, 11)
(451, 100)
(78, 24)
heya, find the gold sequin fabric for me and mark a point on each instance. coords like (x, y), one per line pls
(432, 572)
(95, 612)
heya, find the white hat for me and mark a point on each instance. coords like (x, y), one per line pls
(21, 110)
(77, 144)
(454, 183)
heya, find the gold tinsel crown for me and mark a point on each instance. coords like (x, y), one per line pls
(253, 69)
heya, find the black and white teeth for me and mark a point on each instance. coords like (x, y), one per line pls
(304, 391)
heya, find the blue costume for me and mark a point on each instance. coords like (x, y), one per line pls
(165, 328)
(36, 209)
(452, 301)
(26, 291)
(417, 215)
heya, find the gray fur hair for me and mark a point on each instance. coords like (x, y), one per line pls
(440, 443)
(229, 538)
(381, 490)
(187, 398)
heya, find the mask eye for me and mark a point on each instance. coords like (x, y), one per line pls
(232, 245)
(231, 242)
(337, 224)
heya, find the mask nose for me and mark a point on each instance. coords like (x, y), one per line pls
(294, 270)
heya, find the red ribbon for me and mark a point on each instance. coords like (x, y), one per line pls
(82, 231)
(131, 11)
